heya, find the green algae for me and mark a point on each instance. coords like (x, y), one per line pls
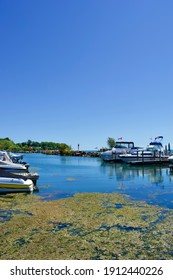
(87, 226)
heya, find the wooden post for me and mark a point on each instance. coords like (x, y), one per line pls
(154, 154)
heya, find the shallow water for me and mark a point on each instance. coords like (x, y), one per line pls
(65, 176)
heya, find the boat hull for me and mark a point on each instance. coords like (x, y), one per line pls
(15, 185)
(110, 157)
(170, 159)
(8, 190)
(20, 175)
(121, 147)
(12, 167)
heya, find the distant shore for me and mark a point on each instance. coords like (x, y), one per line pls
(66, 153)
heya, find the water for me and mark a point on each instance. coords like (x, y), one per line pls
(64, 176)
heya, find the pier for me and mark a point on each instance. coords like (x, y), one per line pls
(151, 162)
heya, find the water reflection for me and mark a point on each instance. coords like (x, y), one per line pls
(65, 176)
(154, 184)
(125, 172)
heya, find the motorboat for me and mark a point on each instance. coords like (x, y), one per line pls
(9, 169)
(121, 147)
(153, 151)
(23, 175)
(16, 158)
(8, 185)
(6, 163)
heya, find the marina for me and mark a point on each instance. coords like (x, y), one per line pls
(64, 176)
(154, 153)
(88, 209)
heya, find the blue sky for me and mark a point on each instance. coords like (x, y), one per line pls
(78, 72)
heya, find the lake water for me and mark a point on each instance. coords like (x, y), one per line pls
(65, 176)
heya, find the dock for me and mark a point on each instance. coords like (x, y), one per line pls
(151, 162)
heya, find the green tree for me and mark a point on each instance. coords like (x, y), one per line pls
(111, 142)
(9, 145)
(63, 148)
(29, 143)
(6, 144)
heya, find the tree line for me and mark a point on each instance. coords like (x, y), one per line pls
(31, 146)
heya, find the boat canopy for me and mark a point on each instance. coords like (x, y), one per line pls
(156, 144)
(124, 144)
(159, 137)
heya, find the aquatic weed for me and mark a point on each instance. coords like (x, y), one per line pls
(86, 226)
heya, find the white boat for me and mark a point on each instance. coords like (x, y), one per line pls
(15, 185)
(6, 163)
(19, 175)
(153, 151)
(170, 159)
(121, 147)
(15, 157)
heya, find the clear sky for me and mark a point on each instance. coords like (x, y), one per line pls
(80, 71)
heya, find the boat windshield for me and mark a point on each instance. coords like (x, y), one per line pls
(124, 145)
